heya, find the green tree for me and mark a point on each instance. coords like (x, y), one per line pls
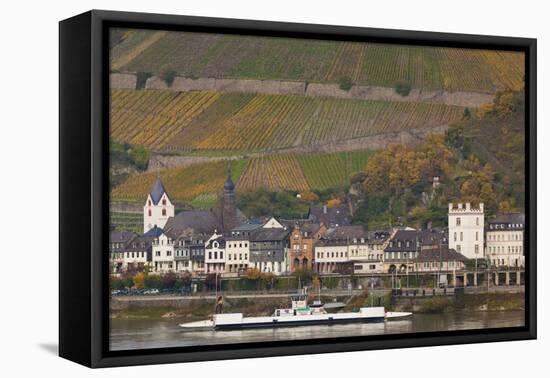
(403, 88)
(345, 83)
(140, 156)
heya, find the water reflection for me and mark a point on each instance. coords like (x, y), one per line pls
(139, 334)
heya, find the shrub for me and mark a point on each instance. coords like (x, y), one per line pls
(345, 83)
(142, 79)
(168, 76)
(403, 88)
(140, 156)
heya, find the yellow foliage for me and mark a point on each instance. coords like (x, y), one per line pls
(139, 280)
(333, 202)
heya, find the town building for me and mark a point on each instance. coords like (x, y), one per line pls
(369, 256)
(444, 263)
(237, 249)
(118, 240)
(158, 207)
(214, 259)
(466, 230)
(404, 248)
(302, 240)
(331, 217)
(197, 253)
(163, 252)
(505, 240)
(269, 247)
(335, 250)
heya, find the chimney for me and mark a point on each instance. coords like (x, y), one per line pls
(324, 209)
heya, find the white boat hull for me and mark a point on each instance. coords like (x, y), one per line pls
(238, 321)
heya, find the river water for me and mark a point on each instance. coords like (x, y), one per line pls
(160, 333)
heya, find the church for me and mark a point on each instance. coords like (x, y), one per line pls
(160, 211)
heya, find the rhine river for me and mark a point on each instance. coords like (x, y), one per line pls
(160, 333)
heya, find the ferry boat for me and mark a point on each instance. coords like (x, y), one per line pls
(300, 314)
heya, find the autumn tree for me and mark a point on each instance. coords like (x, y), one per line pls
(139, 280)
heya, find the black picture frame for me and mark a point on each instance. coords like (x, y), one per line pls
(84, 192)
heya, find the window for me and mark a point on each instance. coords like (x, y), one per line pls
(477, 236)
(476, 248)
(477, 221)
(458, 248)
(168, 253)
(215, 255)
(209, 255)
(163, 212)
(221, 255)
(149, 212)
(460, 236)
(458, 221)
(157, 253)
(164, 201)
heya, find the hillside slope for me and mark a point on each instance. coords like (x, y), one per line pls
(232, 56)
(164, 120)
(199, 184)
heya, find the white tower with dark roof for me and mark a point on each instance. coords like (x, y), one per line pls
(158, 207)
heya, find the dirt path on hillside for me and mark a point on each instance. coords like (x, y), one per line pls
(373, 142)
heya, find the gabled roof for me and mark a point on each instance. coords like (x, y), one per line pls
(198, 221)
(262, 234)
(121, 236)
(508, 218)
(157, 191)
(331, 217)
(423, 237)
(445, 254)
(154, 232)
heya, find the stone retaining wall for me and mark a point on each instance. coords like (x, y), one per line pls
(181, 84)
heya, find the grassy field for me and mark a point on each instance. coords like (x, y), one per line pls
(227, 56)
(163, 120)
(200, 184)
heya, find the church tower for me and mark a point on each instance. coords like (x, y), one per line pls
(229, 205)
(158, 207)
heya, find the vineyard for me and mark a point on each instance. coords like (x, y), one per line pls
(250, 57)
(127, 221)
(200, 184)
(164, 120)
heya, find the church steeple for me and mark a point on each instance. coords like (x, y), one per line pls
(229, 206)
(158, 207)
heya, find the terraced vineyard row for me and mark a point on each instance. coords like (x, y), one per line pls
(165, 120)
(200, 184)
(274, 173)
(324, 171)
(127, 221)
(249, 57)
(152, 118)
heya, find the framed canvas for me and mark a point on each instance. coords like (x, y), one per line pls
(234, 188)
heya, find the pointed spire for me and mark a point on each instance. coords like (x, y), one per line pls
(157, 191)
(229, 185)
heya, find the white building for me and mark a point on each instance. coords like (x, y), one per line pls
(214, 259)
(505, 240)
(237, 251)
(163, 253)
(158, 207)
(466, 230)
